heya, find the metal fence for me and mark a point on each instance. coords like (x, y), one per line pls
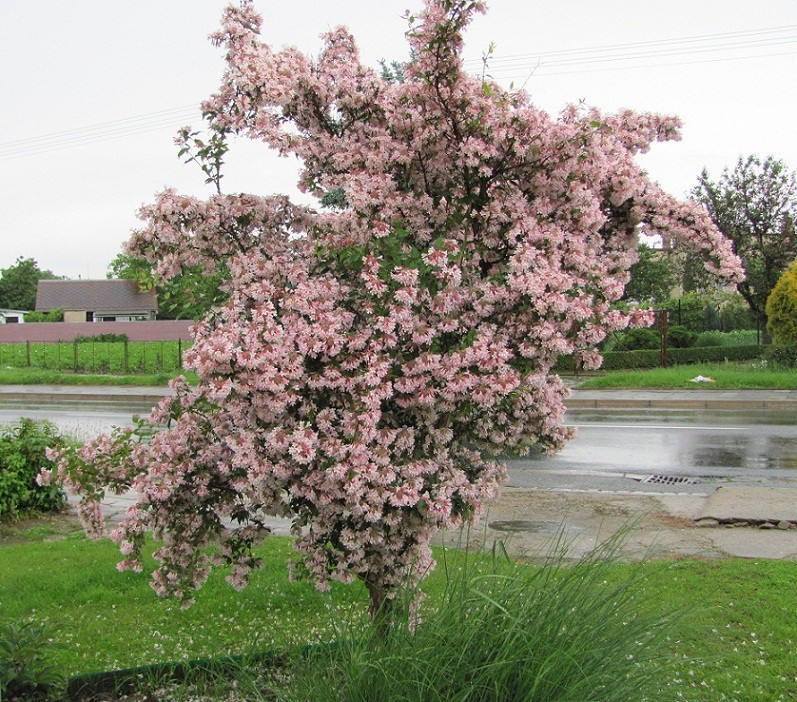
(113, 357)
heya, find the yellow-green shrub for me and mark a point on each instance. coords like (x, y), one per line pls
(782, 308)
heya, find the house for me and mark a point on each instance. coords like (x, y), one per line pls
(12, 316)
(97, 300)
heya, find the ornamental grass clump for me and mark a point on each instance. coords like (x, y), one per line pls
(503, 632)
(379, 351)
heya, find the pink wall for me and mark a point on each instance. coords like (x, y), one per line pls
(163, 330)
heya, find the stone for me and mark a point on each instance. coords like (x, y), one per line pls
(766, 525)
(706, 522)
(754, 504)
(739, 523)
(783, 525)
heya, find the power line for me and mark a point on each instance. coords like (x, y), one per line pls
(649, 65)
(101, 125)
(632, 51)
(653, 42)
(89, 138)
(660, 53)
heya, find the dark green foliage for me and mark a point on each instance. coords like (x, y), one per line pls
(620, 360)
(783, 355)
(653, 276)
(739, 337)
(25, 668)
(500, 632)
(22, 456)
(638, 338)
(190, 295)
(680, 337)
(701, 311)
(704, 354)
(755, 206)
(18, 284)
(56, 315)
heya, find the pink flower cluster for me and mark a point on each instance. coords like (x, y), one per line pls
(374, 358)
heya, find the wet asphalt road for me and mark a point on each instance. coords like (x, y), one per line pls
(615, 450)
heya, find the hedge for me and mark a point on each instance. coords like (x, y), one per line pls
(621, 360)
(784, 355)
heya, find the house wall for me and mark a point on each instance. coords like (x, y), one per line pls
(74, 316)
(12, 317)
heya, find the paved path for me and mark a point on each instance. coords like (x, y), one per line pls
(529, 522)
(697, 398)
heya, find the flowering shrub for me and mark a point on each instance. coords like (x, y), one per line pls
(375, 355)
(22, 456)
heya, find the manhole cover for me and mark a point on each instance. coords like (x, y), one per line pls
(669, 480)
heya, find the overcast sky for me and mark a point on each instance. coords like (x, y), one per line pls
(69, 190)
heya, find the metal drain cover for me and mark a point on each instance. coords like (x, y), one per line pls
(669, 480)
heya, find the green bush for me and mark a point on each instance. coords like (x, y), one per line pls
(638, 338)
(501, 632)
(701, 312)
(22, 456)
(783, 355)
(680, 337)
(25, 668)
(56, 315)
(782, 308)
(626, 360)
(739, 337)
(703, 354)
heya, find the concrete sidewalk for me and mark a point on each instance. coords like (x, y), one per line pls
(749, 522)
(699, 398)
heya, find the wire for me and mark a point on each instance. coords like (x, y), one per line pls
(659, 53)
(64, 142)
(100, 125)
(534, 74)
(609, 53)
(653, 42)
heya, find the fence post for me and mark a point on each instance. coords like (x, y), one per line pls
(179, 354)
(74, 353)
(663, 333)
(27, 351)
(126, 358)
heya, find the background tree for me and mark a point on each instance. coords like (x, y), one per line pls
(18, 284)
(189, 295)
(377, 357)
(653, 276)
(782, 308)
(755, 206)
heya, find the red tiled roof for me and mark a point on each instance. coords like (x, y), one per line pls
(94, 296)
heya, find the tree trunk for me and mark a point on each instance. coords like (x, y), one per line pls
(380, 607)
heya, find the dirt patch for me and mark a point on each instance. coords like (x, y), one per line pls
(40, 527)
(672, 522)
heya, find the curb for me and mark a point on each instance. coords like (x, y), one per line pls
(661, 403)
(154, 395)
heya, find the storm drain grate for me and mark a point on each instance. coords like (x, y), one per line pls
(669, 480)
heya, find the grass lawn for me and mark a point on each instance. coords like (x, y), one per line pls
(96, 356)
(737, 643)
(43, 376)
(728, 376)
